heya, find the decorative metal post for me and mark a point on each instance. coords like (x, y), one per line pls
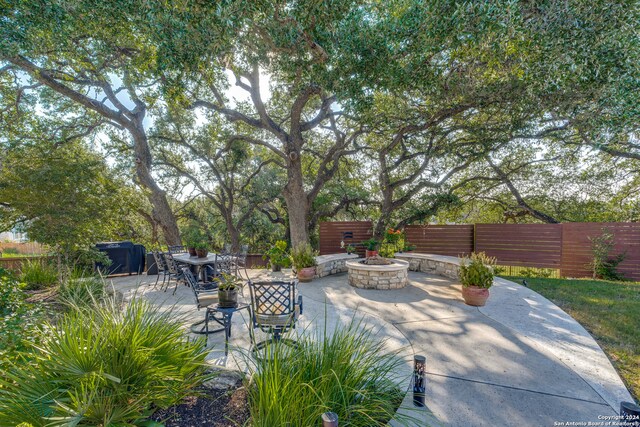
(329, 419)
(419, 381)
(630, 413)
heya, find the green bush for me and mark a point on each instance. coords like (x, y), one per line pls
(477, 270)
(347, 372)
(18, 320)
(103, 366)
(303, 256)
(39, 274)
(11, 251)
(604, 265)
(278, 255)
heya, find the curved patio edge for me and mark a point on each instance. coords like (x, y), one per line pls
(532, 315)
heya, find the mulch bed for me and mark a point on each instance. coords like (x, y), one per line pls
(211, 407)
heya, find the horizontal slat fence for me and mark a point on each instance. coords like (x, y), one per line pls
(577, 253)
(524, 245)
(333, 232)
(562, 247)
(453, 240)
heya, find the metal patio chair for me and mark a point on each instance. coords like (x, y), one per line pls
(275, 306)
(175, 272)
(161, 266)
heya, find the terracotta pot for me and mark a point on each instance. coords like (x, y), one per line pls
(474, 295)
(202, 253)
(306, 274)
(369, 254)
(192, 251)
(228, 298)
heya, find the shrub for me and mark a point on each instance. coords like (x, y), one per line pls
(278, 255)
(18, 320)
(103, 366)
(477, 270)
(348, 372)
(604, 265)
(11, 251)
(39, 274)
(303, 256)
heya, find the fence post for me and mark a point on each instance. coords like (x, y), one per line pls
(329, 419)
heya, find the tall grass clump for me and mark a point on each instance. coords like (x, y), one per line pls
(348, 372)
(80, 289)
(103, 366)
(38, 274)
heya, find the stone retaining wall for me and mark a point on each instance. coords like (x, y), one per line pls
(442, 265)
(332, 264)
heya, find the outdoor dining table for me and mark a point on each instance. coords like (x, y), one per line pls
(185, 258)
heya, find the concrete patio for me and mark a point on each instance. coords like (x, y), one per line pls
(520, 360)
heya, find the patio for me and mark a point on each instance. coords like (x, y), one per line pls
(519, 360)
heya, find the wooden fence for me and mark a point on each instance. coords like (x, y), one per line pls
(453, 240)
(565, 247)
(15, 263)
(349, 232)
(23, 248)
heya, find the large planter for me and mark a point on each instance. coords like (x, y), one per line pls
(474, 295)
(276, 267)
(202, 253)
(228, 298)
(369, 254)
(192, 251)
(306, 274)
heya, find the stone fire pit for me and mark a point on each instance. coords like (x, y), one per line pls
(391, 276)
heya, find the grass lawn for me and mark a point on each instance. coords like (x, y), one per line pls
(610, 311)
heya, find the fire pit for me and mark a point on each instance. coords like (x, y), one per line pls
(378, 276)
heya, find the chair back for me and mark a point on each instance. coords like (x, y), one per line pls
(172, 265)
(159, 260)
(224, 264)
(273, 304)
(241, 258)
(177, 249)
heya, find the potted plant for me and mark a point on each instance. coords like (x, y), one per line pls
(476, 275)
(228, 287)
(350, 249)
(371, 246)
(202, 245)
(278, 256)
(304, 260)
(191, 236)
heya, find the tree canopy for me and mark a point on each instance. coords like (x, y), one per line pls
(285, 114)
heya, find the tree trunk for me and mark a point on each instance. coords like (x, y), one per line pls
(234, 234)
(297, 204)
(157, 197)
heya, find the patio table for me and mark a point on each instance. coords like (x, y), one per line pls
(210, 259)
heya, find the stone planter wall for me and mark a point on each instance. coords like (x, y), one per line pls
(442, 265)
(393, 276)
(332, 264)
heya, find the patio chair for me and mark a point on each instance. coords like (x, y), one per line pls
(206, 294)
(176, 273)
(161, 266)
(275, 306)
